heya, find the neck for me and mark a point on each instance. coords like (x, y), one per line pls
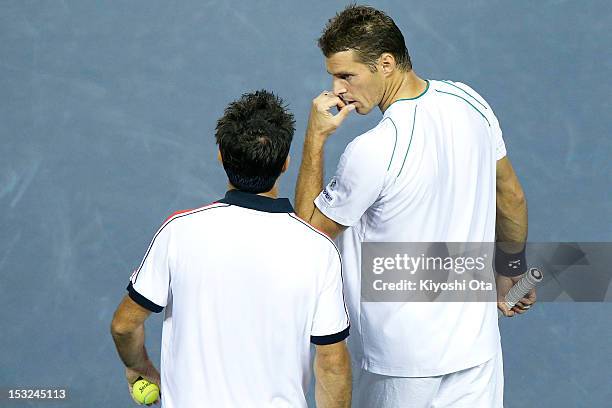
(401, 85)
(272, 193)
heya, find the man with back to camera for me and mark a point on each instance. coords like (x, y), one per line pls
(433, 170)
(246, 285)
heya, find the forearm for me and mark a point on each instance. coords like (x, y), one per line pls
(130, 347)
(511, 220)
(333, 384)
(511, 223)
(310, 176)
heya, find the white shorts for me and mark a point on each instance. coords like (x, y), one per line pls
(477, 387)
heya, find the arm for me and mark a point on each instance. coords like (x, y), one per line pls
(511, 230)
(511, 221)
(127, 329)
(321, 124)
(332, 369)
(310, 184)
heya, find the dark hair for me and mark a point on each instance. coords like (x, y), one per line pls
(367, 31)
(254, 135)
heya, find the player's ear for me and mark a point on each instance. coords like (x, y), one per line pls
(219, 156)
(387, 62)
(286, 165)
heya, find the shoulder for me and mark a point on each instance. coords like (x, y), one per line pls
(313, 235)
(379, 140)
(194, 212)
(461, 90)
(461, 93)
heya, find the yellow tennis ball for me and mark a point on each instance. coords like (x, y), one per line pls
(145, 392)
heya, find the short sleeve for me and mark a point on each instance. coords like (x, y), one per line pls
(498, 140)
(360, 176)
(331, 321)
(496, 132)
(150, 283)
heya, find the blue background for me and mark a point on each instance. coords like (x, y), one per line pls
(107, 126)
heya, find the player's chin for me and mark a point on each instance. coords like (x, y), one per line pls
(362, 110)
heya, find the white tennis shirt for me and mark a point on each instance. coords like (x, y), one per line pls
(425, 173)
(246, 286)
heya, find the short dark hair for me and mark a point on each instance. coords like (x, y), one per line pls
(367, 31)
(254, 135)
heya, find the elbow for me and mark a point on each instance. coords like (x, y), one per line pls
(519, 199)
(336, 363)
(514, 195)
(119, 328)
(510, 201)
(116, 330)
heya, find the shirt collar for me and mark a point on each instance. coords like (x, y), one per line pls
(257, 202)
(415, 99)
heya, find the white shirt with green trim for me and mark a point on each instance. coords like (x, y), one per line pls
(247, 287)
(425, 173)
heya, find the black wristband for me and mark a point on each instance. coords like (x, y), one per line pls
(510, 264)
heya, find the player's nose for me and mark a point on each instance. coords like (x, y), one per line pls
(339, 88)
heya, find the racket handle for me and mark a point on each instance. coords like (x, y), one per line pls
(523, 286)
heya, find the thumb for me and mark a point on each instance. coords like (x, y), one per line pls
(501, 305)
(345, 111)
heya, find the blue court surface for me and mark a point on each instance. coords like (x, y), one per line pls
(107, 126)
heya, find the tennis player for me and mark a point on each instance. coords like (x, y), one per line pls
(434, 169)
(246, 286)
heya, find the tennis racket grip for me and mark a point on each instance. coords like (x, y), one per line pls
(523, 286)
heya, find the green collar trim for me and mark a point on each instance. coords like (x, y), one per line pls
(416, 97)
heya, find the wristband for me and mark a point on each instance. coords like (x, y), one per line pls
(510, 264)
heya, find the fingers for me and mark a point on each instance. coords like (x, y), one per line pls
(503, 307)
(531, 296)
(327, 100)
(321, 121)
(518, 309)
(345, 111)
(339, 93)
(523, 305)
(342, 103)
(158, 400)
(504, 284)
(149, 374)
(132, 394)
(331, 99)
